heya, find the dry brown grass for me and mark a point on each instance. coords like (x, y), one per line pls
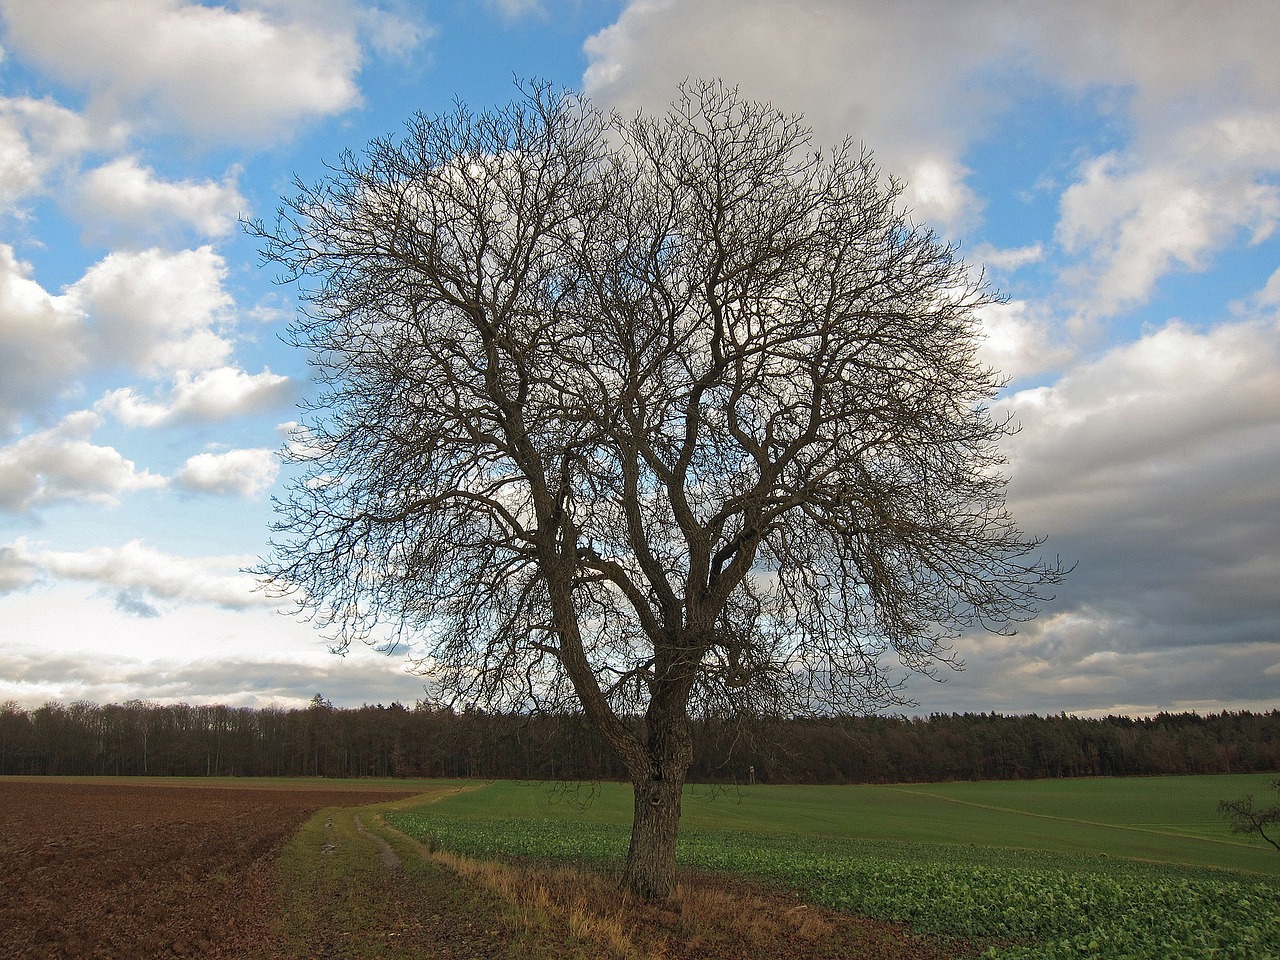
(576, 912)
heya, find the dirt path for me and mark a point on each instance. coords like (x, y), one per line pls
(350, 895)
(388, 856)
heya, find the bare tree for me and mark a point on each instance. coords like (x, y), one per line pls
(657, 417)
(1244, 817)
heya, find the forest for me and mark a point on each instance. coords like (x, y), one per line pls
(139, 738)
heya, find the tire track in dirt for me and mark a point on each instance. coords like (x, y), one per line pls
(388, 856)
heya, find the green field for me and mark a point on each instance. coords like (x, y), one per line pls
(1124, 868)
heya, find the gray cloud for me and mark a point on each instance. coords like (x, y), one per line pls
(1156, 469)
(366, 677)
(1076, 664)
(17, 572)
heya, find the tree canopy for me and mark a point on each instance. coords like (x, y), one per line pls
(659, 415)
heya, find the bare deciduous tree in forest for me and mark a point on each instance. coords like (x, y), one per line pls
(654, 417)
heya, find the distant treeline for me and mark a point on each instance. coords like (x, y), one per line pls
(138, 738)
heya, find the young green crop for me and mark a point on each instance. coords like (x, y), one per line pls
(1052, 905)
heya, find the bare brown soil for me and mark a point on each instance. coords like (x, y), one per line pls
(127, 869)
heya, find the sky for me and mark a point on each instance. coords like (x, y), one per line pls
(1113, 167)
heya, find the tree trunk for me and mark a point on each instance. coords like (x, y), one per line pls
(651, 860)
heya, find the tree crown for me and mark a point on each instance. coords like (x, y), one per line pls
(625, 409)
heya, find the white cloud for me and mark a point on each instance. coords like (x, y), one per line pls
(151, 312)
(1199, 173)
(299, 442)
(393, 36)
(1269, 295)
(157, 312)
(841, 63)
(61, 464)
(936, 193)
(65, 642)
(214, 71)
(41, 348)
(1007, 259)
(122, 198)
(1134, 221)
(244, 473)
(146, 575)
(36, 138)
(515, 9)
(1019, 340)
(211, 395)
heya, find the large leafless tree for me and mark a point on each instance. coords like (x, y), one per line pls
(656, 417)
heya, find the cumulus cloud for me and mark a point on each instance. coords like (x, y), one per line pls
(152, 312)
(62, 464)
(156, 312)
(124, 199)
(840, 63)
(138, 576)
(1155, 468)
(1133, 220)
(1174, 407)
(37, 137)
(215, 71)
(41, 341)
(1199, 171)
(1020, 339)
(244, 473)
(208, 396)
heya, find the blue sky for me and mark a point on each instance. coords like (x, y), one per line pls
(1115, 168)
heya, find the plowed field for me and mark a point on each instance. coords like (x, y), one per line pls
(121, 869)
